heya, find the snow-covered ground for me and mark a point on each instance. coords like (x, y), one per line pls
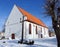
(50, 42)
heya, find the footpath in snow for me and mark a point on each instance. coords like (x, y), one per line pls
(43, 42)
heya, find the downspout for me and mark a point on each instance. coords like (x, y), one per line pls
(22, 30)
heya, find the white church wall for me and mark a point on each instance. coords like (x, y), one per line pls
(42, 31)
(13, 24)
(33, 34)
(16, 29)
(39, 31)
(46, 33)
(14, 16)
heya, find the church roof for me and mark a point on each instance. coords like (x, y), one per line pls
(31, 18)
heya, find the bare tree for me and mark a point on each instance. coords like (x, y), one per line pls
(53, 11)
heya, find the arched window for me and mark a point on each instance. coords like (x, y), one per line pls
(36, 29)
(29, 28)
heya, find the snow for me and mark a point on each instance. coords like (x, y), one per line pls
(43, 42)
(50, 42)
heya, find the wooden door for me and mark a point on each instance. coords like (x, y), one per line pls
(41, 36)
(13, 36)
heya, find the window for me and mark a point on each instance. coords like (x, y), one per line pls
(13, 36)
(36, 29)
(29, 28)
(41, 36)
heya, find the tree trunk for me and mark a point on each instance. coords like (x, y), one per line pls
(57, 31)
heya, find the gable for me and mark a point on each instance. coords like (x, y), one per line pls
(14, 16)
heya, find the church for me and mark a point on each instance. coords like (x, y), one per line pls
(20, 21)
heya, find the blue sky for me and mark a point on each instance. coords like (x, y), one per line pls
(35, 7)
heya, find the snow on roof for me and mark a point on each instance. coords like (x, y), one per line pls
(31, 18)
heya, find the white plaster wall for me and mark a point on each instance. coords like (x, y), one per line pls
(28, 36)
(33, 34)
(25, 30)
(13, 24)
(16, 29)
(39, 31)
(14, 16)
(42, 31)
(47, 33)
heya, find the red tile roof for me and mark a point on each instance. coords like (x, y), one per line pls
(31, 18)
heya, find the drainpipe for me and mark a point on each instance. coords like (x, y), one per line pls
(22, 30)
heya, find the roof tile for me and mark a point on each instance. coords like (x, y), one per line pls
(31, 18)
